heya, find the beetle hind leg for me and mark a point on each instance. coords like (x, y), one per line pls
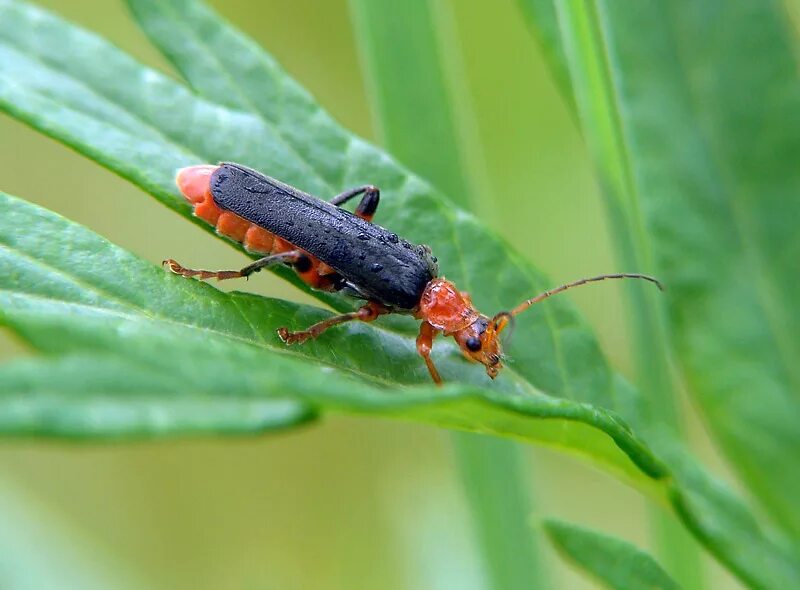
(222, 275)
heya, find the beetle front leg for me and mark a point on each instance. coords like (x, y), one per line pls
(424, 346)
(369, 202)
(366, 314)
(222, 275)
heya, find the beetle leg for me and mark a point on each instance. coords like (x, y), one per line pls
(369, 202)
(366, 314)
(221, 275)
(424, 345)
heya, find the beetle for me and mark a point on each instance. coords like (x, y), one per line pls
(332, 249)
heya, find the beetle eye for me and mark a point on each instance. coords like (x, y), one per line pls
(473, 343)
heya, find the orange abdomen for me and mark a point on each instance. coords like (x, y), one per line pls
(194, 183)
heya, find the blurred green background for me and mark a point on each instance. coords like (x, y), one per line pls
(348, 503)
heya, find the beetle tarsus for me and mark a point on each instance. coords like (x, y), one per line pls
(288, 337)
(176, 268)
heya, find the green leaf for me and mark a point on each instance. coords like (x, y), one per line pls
(709, 133)
(617, 564)
(197, 359)
(79, 299)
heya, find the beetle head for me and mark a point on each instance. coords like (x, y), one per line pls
(480, 341)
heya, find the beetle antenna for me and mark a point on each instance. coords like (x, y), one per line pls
(542, 296)
(501, 321)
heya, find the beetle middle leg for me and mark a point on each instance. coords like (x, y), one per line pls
(365, 314)
(369, 202)
(221, 275)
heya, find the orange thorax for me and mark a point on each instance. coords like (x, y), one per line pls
(444, 307)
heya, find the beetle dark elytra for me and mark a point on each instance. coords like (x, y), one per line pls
(332, 249)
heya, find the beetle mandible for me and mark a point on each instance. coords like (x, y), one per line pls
(332, 249)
